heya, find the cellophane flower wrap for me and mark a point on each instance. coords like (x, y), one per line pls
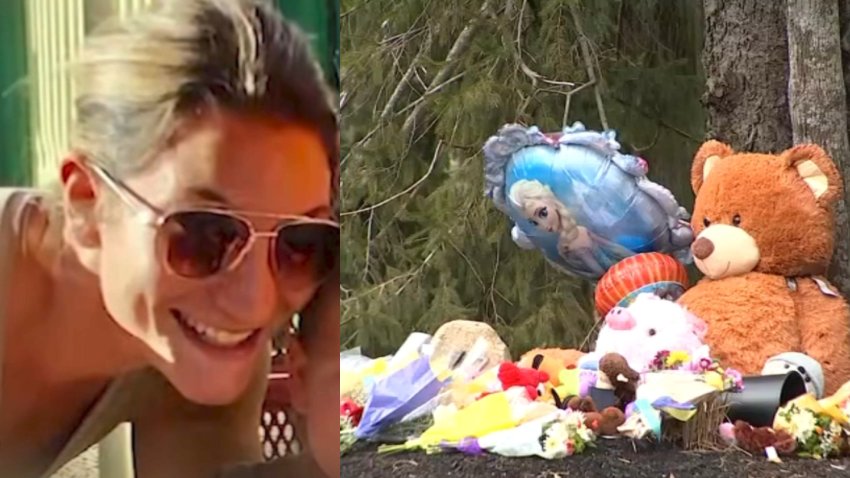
(555, 436)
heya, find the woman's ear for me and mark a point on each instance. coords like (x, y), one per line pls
(80, 219)
(296, 364)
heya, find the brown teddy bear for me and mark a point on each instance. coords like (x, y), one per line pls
(621, 377)
(764, 228)
(755, 440)
(604, 423)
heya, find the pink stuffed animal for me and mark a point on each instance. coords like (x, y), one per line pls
(649, 325)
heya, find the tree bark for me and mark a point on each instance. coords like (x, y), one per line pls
(745, 56)
(818, 103)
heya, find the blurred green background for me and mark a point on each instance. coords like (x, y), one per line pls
(39, 37)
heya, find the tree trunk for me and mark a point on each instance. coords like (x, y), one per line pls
(745, 57)
(818, 103)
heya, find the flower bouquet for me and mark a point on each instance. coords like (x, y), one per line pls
(350, 413)
(818, 435)
(555, 436)
(346, 434)
(669, 360)
(701, 364)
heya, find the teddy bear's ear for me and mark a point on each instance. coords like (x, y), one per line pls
(815, 167)
(705, 159)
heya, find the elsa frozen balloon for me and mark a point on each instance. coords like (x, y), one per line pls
(584, 204)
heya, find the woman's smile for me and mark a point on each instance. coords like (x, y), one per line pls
(225, 339)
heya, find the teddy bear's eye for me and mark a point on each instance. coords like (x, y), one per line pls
(736, 220)
(651, 332)
(706, 221)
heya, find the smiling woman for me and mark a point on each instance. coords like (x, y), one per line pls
(194, 212)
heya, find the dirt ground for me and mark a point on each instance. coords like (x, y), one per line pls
(610, 459)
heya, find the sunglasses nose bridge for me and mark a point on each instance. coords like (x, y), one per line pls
(255, 289)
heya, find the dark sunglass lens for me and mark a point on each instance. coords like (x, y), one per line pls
(201, 243)
(307, 251)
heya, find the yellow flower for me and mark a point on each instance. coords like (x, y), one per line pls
(677, 357)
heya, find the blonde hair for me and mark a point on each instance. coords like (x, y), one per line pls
(527, 190)
(136, 80)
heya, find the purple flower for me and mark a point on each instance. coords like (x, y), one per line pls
(736, 378)
(467, 446)
(704, 363)
(470, 446)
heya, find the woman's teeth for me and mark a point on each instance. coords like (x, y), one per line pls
(213, 335)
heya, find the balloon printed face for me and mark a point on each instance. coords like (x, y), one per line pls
(541, 214)
(545, 212)
(541, 207)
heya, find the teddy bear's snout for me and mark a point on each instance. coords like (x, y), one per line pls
(702, 248)
(722, 250)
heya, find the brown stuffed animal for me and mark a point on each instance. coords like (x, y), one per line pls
(602, 423)
(581, 404)
(623, 378)
(765, 233)
(611, 419)
(755, 440)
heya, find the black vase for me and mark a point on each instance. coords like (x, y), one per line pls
(762, 397)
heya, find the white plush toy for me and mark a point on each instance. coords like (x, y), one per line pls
(648, 326)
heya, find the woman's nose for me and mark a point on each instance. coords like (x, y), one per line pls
(249, 292)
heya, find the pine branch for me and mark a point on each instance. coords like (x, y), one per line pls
(591, 71)
(405, 191)
(405, 79)
(569, 97)
(660, 121)
(432, 92)
(368, 245)
(461, 45)
(533, 75)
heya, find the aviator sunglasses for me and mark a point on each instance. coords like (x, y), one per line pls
(200, 243)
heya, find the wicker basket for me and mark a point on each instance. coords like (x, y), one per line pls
(700, 433)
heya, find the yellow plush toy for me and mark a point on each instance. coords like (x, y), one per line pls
(551, 361)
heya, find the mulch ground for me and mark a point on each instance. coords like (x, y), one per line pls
(610, 459)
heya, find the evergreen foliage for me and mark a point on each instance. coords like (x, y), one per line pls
(422, 245)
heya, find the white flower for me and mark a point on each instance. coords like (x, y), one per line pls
(552, 444)
(803, 425)
(575, 418)
(585, 433)
(559, 432)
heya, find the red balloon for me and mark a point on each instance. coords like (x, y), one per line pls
(648, 272)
